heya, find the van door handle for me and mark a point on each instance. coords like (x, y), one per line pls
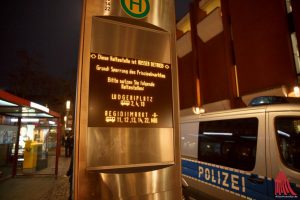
(255, 179)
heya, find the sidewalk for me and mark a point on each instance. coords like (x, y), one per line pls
(38, 187)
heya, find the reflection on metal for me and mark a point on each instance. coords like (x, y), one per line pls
(147, 185)
(115, 158)
(133, 41)
(129, 147)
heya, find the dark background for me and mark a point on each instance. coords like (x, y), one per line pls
(39, 48)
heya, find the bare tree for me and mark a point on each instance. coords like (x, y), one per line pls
(28, 80)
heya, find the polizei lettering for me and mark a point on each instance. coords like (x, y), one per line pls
(225, 179)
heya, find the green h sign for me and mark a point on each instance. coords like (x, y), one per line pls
(136, 8)
(139, 4)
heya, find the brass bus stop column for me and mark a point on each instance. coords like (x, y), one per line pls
(127, 135)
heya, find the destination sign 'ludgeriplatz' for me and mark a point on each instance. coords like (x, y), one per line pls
(128, 92)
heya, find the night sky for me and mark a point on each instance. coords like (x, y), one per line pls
(182, 7)
(48, 31)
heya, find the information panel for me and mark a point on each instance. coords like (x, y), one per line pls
(129, 92)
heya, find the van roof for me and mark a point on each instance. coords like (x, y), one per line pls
(247, 110)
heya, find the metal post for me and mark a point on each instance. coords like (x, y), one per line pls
(58, 141)
(15, 161)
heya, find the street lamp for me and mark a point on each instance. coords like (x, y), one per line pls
(68, 121)
(65, 120)
(68, 105)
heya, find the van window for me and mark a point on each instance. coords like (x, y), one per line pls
(288, 137)
(230, 143)
(189, 139)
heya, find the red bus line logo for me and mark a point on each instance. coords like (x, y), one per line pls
(283, 187)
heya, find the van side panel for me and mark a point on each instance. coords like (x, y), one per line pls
(278, 169)
(218, 180)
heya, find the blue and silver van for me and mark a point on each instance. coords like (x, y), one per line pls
(248, 153)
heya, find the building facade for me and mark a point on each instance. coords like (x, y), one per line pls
(230, 51)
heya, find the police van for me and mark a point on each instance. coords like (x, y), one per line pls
(247, 153)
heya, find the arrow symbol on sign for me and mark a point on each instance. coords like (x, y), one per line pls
(155, 115)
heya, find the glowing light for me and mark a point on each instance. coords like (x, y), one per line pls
(5, 103)
(25, 120)
(68, 105)
(51, 122)
(39, 107)
(283, 133)
(214, 133)
(197, 110)
(297, 91)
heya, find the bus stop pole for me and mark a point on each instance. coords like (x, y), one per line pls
(15, 160)
(58, 145)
